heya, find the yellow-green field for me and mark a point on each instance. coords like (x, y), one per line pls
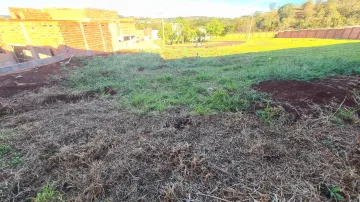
(244, 36)
(253, 46)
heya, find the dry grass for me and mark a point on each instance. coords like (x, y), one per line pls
(95, 152)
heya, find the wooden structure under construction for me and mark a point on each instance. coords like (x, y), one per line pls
(39, 33)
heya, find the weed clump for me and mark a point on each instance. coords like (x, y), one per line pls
(48, 194)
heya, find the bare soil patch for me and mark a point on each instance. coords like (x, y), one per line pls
(34, 78)
(31, 79)
(299, 96)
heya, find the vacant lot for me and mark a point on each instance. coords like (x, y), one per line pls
(270, 120)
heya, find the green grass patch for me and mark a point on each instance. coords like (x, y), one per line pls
(185, 79)
(8, 156)
(48, 194)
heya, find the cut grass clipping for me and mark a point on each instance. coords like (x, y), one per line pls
(220, 79)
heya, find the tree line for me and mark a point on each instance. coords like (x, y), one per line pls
(309, 15)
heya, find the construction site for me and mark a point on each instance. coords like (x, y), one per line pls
(33, 34)
(89, 112)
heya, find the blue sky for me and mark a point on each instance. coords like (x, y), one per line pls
(153, 8)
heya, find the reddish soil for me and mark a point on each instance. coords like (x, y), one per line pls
(31, 79)
(300, 95)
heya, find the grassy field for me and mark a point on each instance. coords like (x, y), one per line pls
(185, 77)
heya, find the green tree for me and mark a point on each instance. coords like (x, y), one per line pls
(268, 22)
(170, 35)
(185, 30)
(230, 28)
(214, 28)
(333, 17)
(287, 12)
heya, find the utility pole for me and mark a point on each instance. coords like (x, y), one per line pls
(163, 29)
(252, 18)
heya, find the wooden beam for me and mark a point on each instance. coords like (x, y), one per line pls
(34, 53)
(25, 34)
(102, 37)
(83, 33)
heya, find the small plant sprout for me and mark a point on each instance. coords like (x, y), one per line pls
(269, 114)
(48, 194)
(335, 192)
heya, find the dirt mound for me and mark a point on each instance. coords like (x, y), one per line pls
(299, 96)
(32, 79)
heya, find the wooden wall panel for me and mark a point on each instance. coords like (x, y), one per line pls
(107, 36)
(28, 13)
(46, 33)
(280, 35)
(93, 36)
(287, 34)
(81, 14)
(294, 34)
(101, 14)
(354, 33)
(330, 34)
(72, 35)
(346, 33)
(338, 33)
(302, 33)
(311, 34)
(321, 34)
(66, 13)
(12, 33)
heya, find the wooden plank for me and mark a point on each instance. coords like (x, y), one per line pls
(311, 34)
(338, 33)
(346, 33)
(321, 34)
(330, 34)
(354, 33)
(294, 34)
(287, 34)
(83, 33)
(302, 33)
